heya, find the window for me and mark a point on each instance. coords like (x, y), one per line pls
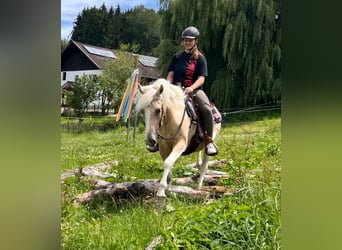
(64, 76)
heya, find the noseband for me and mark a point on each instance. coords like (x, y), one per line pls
(160, 124)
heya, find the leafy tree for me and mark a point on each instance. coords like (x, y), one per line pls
(84, 91)
(138, 28)
(92, 26)
(141, 29)
(117, 27)
(241, 40)
(64, 43)
(113, 80)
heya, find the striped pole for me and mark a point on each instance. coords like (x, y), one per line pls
(132, 95)
(128, 98)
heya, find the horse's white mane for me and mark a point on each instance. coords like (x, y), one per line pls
(172, 95)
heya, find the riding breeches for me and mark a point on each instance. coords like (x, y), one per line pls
(205, 115)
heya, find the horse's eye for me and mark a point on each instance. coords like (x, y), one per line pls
(158, 111)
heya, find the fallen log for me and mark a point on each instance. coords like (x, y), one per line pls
(155, 242)
(69, 173)
(97, 169)
(211, 179)
(144, 188)
(92, 170)
(210, 163)
(99, 184)
(134, 190)
(120, 191)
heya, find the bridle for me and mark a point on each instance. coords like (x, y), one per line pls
(160, 124)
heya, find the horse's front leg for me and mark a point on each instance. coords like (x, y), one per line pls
(168, 164)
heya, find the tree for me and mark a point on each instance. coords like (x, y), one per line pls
(64, 43)
(137, 28)
(93, 26)
(113, 80)
(141, 29)
(241, 40)
(116, 21)
(84, 91)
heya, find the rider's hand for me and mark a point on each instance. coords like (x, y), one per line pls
(188, 90)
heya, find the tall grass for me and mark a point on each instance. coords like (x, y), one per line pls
(247, 219)
(108, 227)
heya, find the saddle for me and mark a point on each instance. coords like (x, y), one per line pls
(191, 108)
(200, 135)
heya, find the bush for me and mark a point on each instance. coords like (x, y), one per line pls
(68, 113)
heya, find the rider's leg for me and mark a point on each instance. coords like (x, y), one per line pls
(206, 119)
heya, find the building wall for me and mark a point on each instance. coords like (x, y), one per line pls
(73, 59)
(71, 75)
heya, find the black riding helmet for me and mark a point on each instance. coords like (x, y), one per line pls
(191, 32)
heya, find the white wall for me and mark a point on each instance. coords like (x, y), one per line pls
(71, 75)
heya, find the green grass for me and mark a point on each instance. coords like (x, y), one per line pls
(108, 227)
(248, 219)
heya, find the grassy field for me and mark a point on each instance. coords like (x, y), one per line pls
(247, 219)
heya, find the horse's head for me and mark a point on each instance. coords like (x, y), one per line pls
(152, 104)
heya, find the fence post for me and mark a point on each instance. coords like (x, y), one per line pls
(128, 127)
(135, 126)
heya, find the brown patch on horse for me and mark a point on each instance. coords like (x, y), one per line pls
(196, 140)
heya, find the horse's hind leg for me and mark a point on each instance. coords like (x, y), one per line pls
(199, 159)
(203, 169)
(169, 177)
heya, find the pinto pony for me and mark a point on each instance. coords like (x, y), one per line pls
(169, 128)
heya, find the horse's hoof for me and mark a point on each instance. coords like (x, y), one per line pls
(160, 203)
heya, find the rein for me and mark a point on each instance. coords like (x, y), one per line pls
(179, 127)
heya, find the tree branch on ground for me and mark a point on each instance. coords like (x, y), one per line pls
(145, 188)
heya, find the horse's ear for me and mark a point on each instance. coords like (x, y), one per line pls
(161, 89)
(141, 89)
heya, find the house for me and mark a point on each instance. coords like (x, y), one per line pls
(80, 59)
(66, 86)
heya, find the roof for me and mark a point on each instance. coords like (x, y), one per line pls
(148, 66)
(148, 61)
(65, 83)
(97, 55)
(149, 72)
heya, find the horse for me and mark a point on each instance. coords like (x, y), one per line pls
(169, 128)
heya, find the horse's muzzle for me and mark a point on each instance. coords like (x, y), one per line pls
(151, 145)
(153, 148)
